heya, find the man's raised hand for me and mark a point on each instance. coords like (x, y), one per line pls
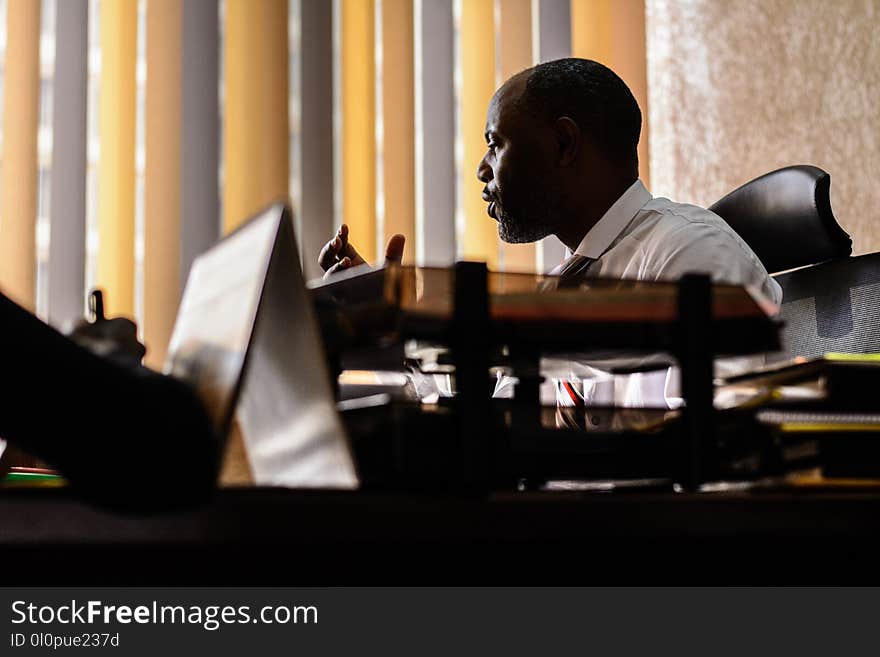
(338, 254)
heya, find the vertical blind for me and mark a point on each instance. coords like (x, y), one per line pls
(136, 132)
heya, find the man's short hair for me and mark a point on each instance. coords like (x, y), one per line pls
(594, 97)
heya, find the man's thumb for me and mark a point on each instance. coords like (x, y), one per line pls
(394, 250)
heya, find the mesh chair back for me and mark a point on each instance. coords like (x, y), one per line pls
(785, 217)
(831, 307)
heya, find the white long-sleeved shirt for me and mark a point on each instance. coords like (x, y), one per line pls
(649, 239)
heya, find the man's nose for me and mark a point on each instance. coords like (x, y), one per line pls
(484, 171)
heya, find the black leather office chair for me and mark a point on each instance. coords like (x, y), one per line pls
(785, 216)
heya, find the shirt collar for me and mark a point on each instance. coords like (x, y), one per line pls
(614, 221)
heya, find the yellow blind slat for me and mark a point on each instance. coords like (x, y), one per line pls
(477, 47)
(359, 124)
(255, 134)
(399, 122)
(162, 175)
(628, 52)
(514, 53)
(116, 169)
(275, 121)
(613, 32)
(18, 202)
(591, 29)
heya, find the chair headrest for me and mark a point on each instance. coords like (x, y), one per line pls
(785, 217)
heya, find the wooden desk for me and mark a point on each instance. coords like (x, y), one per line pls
(281, 537)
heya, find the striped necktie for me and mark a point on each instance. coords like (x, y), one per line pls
(574, 270)
(570, 394)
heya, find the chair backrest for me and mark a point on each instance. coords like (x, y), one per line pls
(831, 307)
(785, 217)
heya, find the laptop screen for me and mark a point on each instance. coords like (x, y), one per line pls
(216, 317)
(247, 340)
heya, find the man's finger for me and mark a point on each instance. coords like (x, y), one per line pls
(329, 255)
(394, 250)
(342, 265)
(347, 250)
(350, 253)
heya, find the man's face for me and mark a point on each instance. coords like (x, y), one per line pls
(521, 187)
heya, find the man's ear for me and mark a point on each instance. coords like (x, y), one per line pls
(568, 139)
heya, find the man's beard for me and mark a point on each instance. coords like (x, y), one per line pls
(529, 225)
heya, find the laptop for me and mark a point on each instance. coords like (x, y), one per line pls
(246, 339)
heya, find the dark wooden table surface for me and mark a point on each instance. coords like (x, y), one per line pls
(282, 537)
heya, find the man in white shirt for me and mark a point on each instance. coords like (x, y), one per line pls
(562, 160)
